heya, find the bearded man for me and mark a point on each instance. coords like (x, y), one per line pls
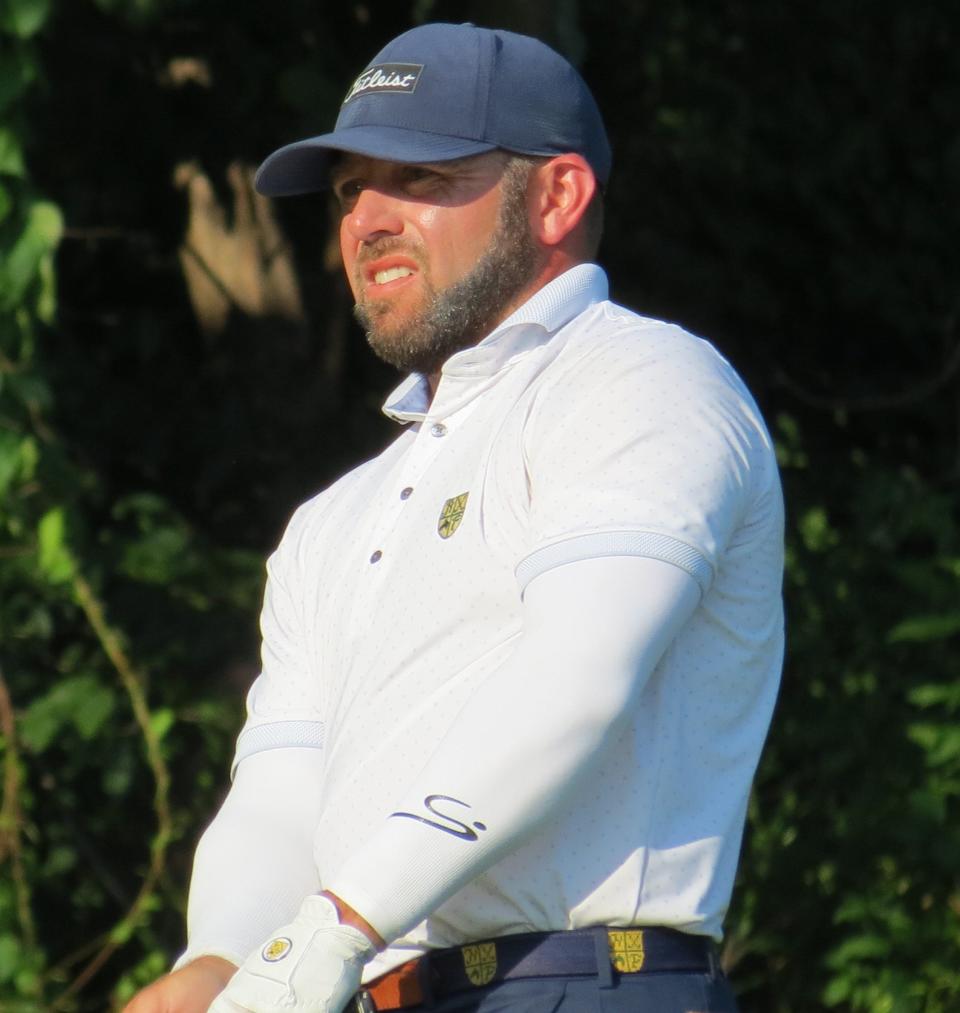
(518, 669)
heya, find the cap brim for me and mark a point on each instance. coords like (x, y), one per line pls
(302, 167)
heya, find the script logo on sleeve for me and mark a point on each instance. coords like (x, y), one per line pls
(443, 821)
(402, 78)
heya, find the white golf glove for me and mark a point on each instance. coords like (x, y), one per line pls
(312, 965)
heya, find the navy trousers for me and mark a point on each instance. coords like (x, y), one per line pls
(634, 993)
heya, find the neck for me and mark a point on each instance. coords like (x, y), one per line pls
(556, 263)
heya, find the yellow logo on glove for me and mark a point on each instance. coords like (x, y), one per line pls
(276, 949)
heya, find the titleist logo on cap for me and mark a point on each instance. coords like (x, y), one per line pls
(396, 77)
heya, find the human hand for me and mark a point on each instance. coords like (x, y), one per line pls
(190, 989)
(312, 965)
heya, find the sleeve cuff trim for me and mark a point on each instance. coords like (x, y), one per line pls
(277, 735)
(617, 543)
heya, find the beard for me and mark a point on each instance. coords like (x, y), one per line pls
(463, 313)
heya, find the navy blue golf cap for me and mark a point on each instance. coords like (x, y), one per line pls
(440, 92)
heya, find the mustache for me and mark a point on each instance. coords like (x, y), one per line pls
(386, 245)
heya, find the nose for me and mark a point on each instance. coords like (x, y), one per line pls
(374, 214)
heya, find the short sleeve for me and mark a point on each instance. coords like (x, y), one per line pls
(648, 444)
(283, 704)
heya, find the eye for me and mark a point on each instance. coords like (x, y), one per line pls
(421, 178)
(347, 191)
(413, 172)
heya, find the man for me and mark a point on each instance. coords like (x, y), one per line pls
(518, 669)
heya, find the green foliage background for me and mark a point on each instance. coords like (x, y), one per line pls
(786, 183)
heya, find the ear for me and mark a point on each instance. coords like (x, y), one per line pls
(560, 191)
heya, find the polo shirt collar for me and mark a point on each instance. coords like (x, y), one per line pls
(527, 328)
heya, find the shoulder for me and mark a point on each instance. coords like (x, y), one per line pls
(648, 391)
(308, 526)
(608, 340)
(611, 360)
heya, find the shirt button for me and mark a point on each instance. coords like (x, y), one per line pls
(438, 429)
(376, 557)
(406, 493)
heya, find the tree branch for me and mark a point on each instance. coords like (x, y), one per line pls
(11, 818)
(879, 402)
(132, 682)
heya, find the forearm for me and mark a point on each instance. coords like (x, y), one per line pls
(254, 864)
(191, 989)
(593, 632)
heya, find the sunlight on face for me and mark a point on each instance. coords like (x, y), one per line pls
(435, 254)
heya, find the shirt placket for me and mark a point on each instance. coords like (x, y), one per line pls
(434, 436)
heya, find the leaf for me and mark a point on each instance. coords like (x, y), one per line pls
(29, 458)
(928, 806)
(137, 504)
(40, 724)
(11, 154)
(122, 932)
(30, 390)
(19, 268)
(9, 956)
(921, 629)
(18, 69)
(933, 694)
(941, 743)
(161, 721)
(56, 561)
(93, 711)
(27, 982)
(158, 557)
(9, 458)
(837, 991)
(24, 18)
(116, 778)
(815, 530)
(81, 701)
(858, 948)
(61, 859)
(47, 289)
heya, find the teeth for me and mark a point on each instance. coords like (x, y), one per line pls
(391, 274)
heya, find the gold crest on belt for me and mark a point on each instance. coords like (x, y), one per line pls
(626, 950)
(480, 960)
(452, 514)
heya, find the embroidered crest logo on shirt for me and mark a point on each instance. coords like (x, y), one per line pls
(480, 962)
(626, 950)
(276, 949)
(396, 77)
(452, 514)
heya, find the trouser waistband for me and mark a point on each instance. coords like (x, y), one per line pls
(599, 952)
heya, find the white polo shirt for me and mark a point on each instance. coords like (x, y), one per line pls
(576, 430)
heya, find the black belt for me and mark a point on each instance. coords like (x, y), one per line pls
(596, 952)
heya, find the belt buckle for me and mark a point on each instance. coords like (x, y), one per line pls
(363, 1002)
